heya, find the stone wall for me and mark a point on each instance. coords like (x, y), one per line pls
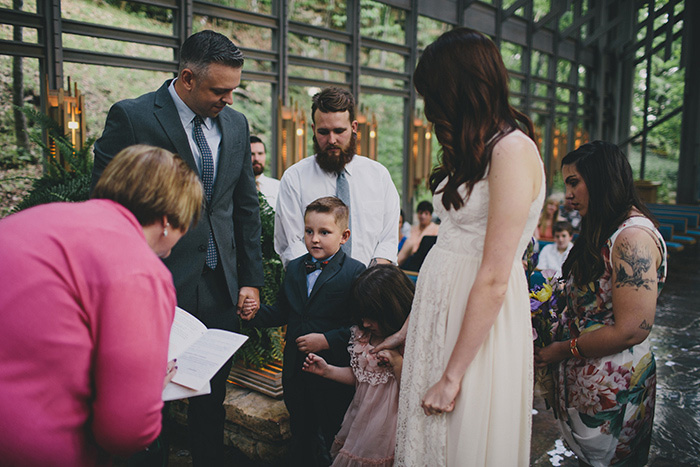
(256, 424)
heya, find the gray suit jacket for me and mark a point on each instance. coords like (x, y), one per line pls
(233, 213)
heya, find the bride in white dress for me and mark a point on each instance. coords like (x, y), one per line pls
(466, 388)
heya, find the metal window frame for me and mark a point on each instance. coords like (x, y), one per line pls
(607, 52)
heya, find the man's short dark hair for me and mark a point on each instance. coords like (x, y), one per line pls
(425, 206)
(207, 47)
(255, 139)
(333, 99)
(562, 226)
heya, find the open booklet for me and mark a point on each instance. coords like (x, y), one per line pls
(200, 352)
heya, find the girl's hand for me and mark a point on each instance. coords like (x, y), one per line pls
(315, 364)
(441, 397)
(389, 357)
(170, 371)
(553, 353)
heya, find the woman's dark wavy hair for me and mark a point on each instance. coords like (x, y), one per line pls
(464, 84)
(382, 293)
(611, 195)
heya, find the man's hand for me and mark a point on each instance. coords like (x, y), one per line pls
(314, 342)
(248, 312)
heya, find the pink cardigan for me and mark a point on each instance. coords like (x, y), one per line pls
(85, 314)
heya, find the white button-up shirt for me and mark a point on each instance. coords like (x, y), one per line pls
(551, 258)
(269, 187)
(374, 207)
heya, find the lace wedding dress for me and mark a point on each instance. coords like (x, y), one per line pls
(491, 422)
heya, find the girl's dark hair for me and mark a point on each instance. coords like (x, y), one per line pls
(611, 195)
(464, 84)
(382, 293)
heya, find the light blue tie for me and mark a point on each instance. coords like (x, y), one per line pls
(207, 181)
(342, 191)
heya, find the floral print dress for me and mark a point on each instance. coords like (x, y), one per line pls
(605, 405)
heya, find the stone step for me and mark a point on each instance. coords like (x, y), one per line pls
(256, 424)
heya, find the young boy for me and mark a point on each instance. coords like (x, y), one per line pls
(554, 254)
(313, 303)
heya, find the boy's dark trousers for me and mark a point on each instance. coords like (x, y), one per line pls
(316, 405)
(316, 409)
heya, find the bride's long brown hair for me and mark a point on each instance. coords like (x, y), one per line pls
(464, 84)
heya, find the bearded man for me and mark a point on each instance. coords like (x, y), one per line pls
(364, 185)
(268, 186)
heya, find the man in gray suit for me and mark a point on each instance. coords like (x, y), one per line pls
(218, 263)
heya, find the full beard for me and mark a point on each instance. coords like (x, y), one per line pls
(258, 169)
(331, 163)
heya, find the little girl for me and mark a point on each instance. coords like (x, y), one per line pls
(382, 297)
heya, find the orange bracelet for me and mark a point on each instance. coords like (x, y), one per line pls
(573, 347)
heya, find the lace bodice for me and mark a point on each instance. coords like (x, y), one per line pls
(364, 364)
(463, 231)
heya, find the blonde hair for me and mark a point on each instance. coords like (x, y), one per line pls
(544, 220)
(152, 182)
(332, 205)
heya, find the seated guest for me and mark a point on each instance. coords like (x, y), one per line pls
(87, 306)
(568, 213)
(548, 217)
(402, 235)
(415, 261)
(425, 226)
(554, 254)
(405, 227)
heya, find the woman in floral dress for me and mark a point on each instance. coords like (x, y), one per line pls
(606, 378)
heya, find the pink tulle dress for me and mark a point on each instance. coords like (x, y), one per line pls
(368, 433)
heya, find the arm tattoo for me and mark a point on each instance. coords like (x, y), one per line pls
(638, 261)
(645, 326)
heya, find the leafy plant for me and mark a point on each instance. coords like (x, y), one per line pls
(266, 345)
(14, 158)
(68, 177)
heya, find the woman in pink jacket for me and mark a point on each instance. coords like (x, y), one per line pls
(86, 307)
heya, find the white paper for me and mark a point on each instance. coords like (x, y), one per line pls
(174, 392)
(201, 361)
(200, 352)
(185, 331)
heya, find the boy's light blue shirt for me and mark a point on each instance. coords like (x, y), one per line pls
(311, 278)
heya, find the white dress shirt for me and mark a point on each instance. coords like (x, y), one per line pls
(211, 130)
(551, 258)
(269, 187)
(374, 205)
